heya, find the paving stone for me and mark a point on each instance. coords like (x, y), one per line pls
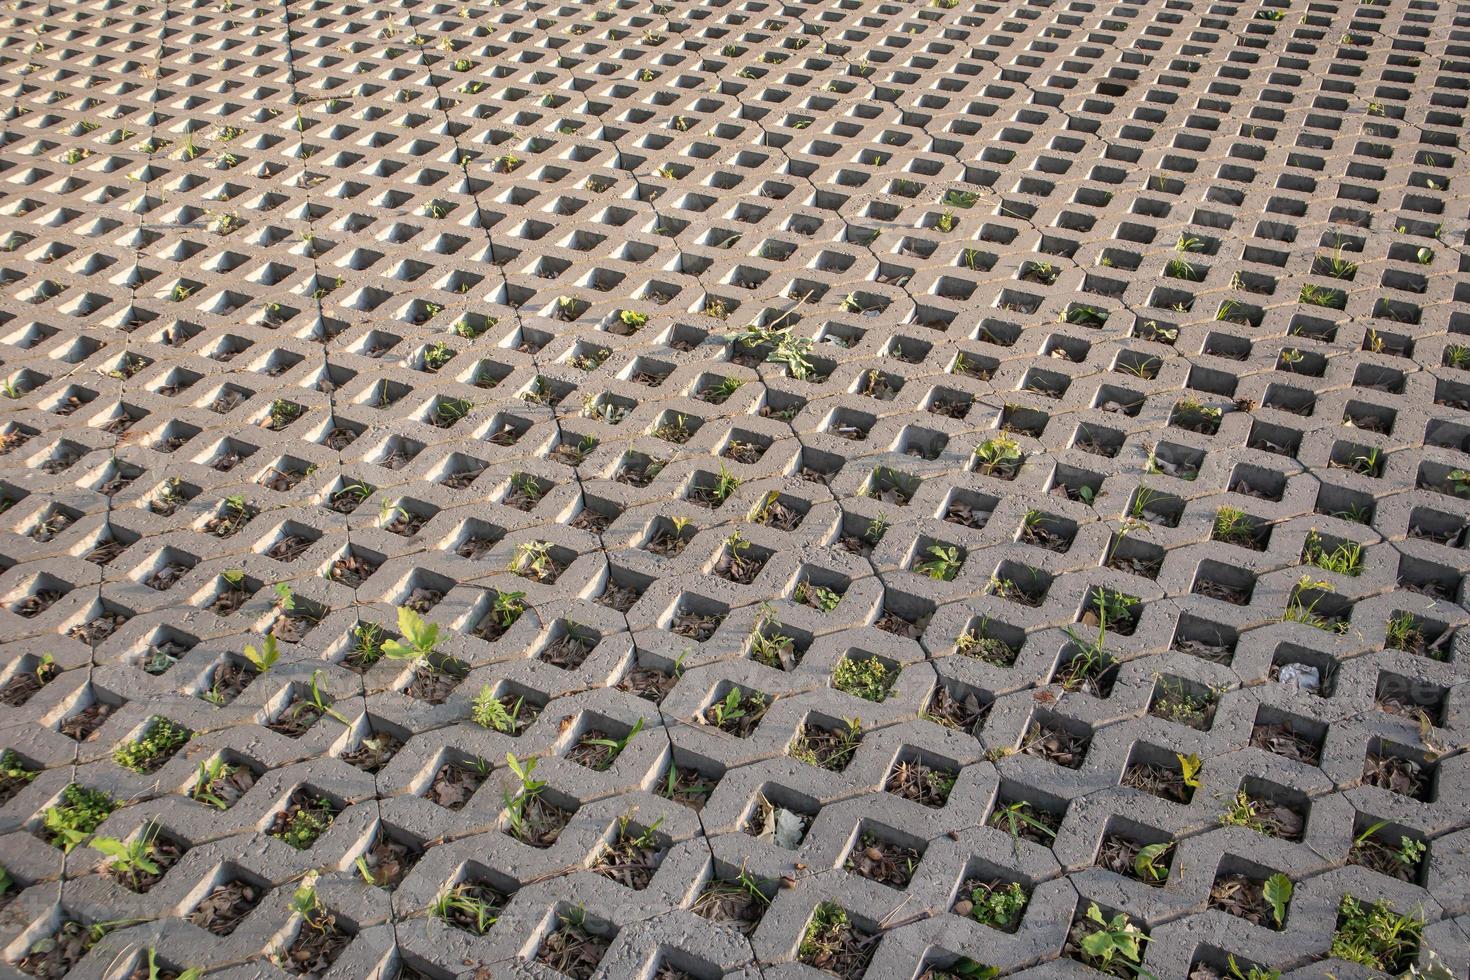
(707, 489)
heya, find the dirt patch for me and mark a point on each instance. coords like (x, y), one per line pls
(920, 783)
(1243, 897)
(430, 685)
(56, 954)
(1055, 745)
(965, 713)
(1283, 740)
(84, 724)
(738, 904)
(20, 688)
(373, 752)
(318, 944)
(687, 786)
(1397, 775)
(572, 950)
(226, 907)
(454, 784)
(390, 860)
(648, 683)
(1162, 782)
(883, 861)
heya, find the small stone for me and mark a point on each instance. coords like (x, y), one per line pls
(963, 906)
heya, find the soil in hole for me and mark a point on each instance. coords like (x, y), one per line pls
(84, 724)
(1165, 783)
(920, 783)
(572, 950)
(883, 861)
(631, 860)
(373, 752)
(1284, 740)
(224, 908)
(541, 823)
(648, 683)
(1395, 775)
(431, 685)
(1243, 897)
(737, 904)
(454, 784)
(318, 944)
(164, 854)
(687, 786)
(1120, 855)
(55, 955)
(1055, 745)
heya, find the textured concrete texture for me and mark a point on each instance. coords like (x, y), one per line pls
(887, 488)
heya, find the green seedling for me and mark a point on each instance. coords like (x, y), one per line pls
(488, 712)
(1147, 863)
(819, 596)
(1116, 937)
(533, 560)
(459, 905)
(1277, 890)
(1014, 816)
(943, 564)
(420, 636)
(1345, 559)
(264, 658)
(530, 787)
(1189, 769)
(211, 774)
(162, 738)
(867, 679)
(1376, 937)
(998, 456)
(506, 608)
(999, 907)
(614, 746)
(133, 859)
(71, 822)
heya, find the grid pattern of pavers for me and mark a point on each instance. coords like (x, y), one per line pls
(734, 488)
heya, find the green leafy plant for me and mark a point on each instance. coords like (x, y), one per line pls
(464, 906)
(530, 787)
(1277, 890)
(264, 658)
(1233, 526)
(420, 636)
(1189, 769)
(817, 596)
(867, 679)
(1300, 610)
(614, 746)
(488, 712)
(305, 824)
(998, 906)
(1375, 936)
(1148, 862)
(161, 738)
(133, 859)
(1107, 938)
(80, 812)
(1345, 559)
(533, 560)
(943, 564)
(211, 775)
(998, 456)
(785, 347)
(1013, 817)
